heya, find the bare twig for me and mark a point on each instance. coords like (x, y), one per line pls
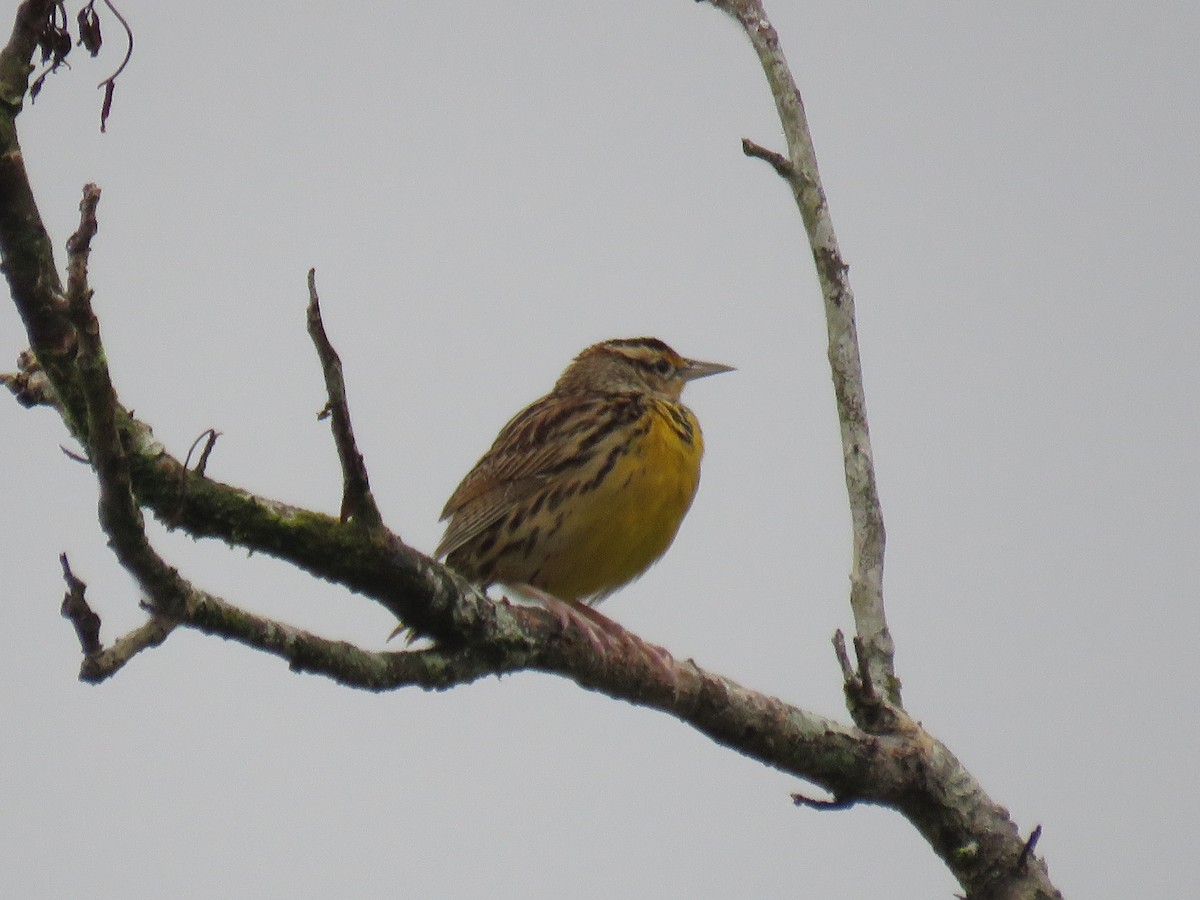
(210, 440)
(839, 647)
(119, 514)
(780, 163)
(358, 505)
(950, 819)
(800, 172)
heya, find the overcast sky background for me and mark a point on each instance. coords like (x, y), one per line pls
(486, 188)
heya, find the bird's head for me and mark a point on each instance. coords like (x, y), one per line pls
(643, 364)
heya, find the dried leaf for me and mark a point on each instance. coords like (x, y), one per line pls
(109, 87)
(89, 29)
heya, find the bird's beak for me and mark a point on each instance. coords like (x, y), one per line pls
(696, 368)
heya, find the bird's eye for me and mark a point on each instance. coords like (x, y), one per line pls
(663, 367)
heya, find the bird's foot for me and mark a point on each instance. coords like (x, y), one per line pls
(601, 632)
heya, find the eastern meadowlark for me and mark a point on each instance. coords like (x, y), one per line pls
(584, 489)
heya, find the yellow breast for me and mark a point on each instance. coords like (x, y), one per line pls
(619, 528)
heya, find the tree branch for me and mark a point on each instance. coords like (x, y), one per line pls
(895, 762)
(340, 661)
(106, 662)
(28, 260)
(119, 514)
(799, 169)
(973, 835)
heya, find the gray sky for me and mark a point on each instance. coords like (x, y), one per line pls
(484, 189)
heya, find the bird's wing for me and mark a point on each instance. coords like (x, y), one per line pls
(548, 438)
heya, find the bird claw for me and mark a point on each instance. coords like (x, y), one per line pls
(569, 615)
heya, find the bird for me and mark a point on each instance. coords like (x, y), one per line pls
(584, 489)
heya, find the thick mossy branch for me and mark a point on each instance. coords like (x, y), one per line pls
(377, 564)
(28, 256)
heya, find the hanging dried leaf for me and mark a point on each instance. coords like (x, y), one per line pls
(110, 83)
(88, 21)
(109, 87)
(55, 43)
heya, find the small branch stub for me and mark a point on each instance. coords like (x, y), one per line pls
(823, 805)
(1027, 851)
(780, 163)
(872, 711)
(75, 608)
(209, 437)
